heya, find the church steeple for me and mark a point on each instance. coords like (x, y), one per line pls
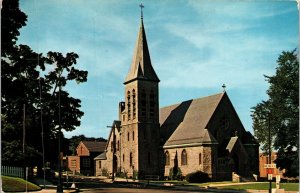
(141, 67)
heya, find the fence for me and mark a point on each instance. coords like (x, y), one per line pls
(12, 171)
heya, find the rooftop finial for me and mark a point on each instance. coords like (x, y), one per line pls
(141, 6)
(224, 87)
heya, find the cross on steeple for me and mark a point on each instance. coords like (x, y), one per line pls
(224, 87)
(141, 6)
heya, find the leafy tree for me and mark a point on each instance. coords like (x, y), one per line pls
(36, 82)
(281, 112)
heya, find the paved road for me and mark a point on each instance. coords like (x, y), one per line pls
(132, 190)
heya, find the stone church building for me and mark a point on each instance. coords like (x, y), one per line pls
(203, 134)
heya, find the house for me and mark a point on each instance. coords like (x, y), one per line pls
(203, 134)
(86, 152)
(73, 163)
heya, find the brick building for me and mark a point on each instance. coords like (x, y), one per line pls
(264, 159)
(203, 134)
(86, 152)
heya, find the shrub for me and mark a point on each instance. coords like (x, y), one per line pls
(120, 174)
(197, 177)
(135, 175)
(175, 173)
(105, 172)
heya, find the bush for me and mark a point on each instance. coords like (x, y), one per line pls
(197, 177)
(105, 172)
(135, 175)
(175, 173)
(120, 174)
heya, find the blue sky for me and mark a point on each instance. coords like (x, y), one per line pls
(195, 47)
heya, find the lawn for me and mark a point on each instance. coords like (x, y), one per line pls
(253, 186)
(262, 186)
(12, 184)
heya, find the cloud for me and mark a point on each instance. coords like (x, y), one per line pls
(249, 10)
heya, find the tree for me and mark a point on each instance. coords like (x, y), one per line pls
(35, 81)
(281, 110)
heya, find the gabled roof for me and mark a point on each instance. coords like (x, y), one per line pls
(185, 123)
(94, 146)
(141, 67)
(231, 144)
(102, 156)
(116, 124)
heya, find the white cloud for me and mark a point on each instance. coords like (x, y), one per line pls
(239, 9)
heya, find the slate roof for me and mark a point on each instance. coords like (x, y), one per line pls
(141, 67)
(185, 123)
(102, 156)
(231, 144)
(95, 146)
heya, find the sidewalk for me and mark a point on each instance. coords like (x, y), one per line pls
(50, 187)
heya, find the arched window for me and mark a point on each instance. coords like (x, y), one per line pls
(133, 104)
(130, 159)
(149, 159)
(200, 159)
(128, 105)
(133, 136)
(127, 136)
(167, 158)
(152, 104)
(183, 157)
(143, 103)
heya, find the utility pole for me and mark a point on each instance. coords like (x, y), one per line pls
(59, 183)
(270, 153)
(113, 149)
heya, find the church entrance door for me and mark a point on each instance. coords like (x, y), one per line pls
(115, 162)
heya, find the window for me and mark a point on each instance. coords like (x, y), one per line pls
(167, 158)
(133, 136)
(130, 159)
(123, 158)
(73, 163)
(152, 104)
(127, 136)
(183, 157)
(224, 123)
(99, 164)
(112, 146)
(149, 159)
(133, 104)
(128, 105)
(200, 159)
(145, 133)
(85, 162)
(118, 147)
(143, 103)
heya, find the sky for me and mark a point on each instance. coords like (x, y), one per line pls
(196, 46)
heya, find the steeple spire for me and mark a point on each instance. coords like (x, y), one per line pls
(141, 67)
(141, 6)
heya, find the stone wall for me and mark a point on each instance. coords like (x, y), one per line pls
(207, 155)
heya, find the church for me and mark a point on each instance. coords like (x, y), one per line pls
(203, 134)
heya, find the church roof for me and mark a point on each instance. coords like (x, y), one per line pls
(95, 146)
(102, 156)
(185, 123)
(141, 67)
(231, 144)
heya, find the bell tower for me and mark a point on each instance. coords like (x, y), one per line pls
(140, 117)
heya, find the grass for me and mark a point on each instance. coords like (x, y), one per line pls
(12, 184)
(262, 186)
(253, 186)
